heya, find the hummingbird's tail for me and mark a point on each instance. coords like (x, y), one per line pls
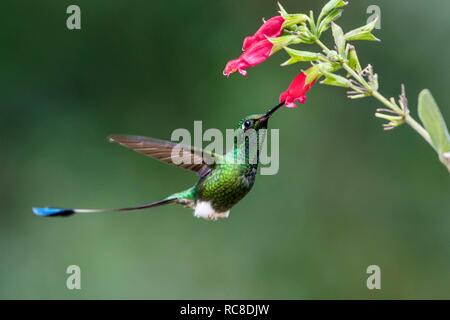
(64, 212)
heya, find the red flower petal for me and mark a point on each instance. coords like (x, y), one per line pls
(256, 47)
(296, 92)
(271, 28)
(257, 54)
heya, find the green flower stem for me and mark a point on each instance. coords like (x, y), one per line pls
(377, 95)
(419, 129)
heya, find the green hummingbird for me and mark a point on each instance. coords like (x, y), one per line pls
(223, 179)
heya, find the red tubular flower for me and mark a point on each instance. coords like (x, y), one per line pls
(256, 47)
(296, 91)
(256, 54)
(272, 28)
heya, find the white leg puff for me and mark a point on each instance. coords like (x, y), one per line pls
(204, 210)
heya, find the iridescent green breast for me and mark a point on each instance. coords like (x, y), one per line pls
(226, 185)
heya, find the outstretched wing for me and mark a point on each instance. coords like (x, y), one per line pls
(186, 157)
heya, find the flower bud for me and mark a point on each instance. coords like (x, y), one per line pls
(353, 60)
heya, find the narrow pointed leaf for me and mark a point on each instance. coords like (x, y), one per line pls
(353, 60)
(336, 80)
(339, 38)
(363, 33)
(284, 41)
(367, 36)
(325, 23)
(297, 56)
(330, 7)
(282, 11)
(434, 123)
(294, 19)
(313, 73)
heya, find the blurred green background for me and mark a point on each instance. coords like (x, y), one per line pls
(347, 194)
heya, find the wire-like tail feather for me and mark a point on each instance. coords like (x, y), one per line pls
(64, 212)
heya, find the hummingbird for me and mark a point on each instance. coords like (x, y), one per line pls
(223, 179)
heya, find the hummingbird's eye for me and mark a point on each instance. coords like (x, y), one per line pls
(247, 124)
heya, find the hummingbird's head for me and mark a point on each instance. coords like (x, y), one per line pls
(257, 121)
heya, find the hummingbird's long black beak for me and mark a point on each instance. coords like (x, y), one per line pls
(271, 112)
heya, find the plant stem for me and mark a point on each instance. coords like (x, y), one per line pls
(419, 129)
(321, 44)
(377, 95)
(386, 102)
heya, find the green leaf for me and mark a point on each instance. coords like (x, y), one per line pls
(298, 56)
(312, 24)
(363, 33)
(367, 36)
(313, 73)
(336, 80)
(324, 25)
(282, 12)
(294, 19)
(353, 60)
(330, 7)
(305, 35)
(339, 39)
(434, 123)
(320, 69)
(283, 41)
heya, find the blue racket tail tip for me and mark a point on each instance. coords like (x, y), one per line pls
(52, 212)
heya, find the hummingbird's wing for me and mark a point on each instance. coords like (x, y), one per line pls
(186, 157)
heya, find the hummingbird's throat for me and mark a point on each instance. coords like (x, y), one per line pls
(248, 144)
